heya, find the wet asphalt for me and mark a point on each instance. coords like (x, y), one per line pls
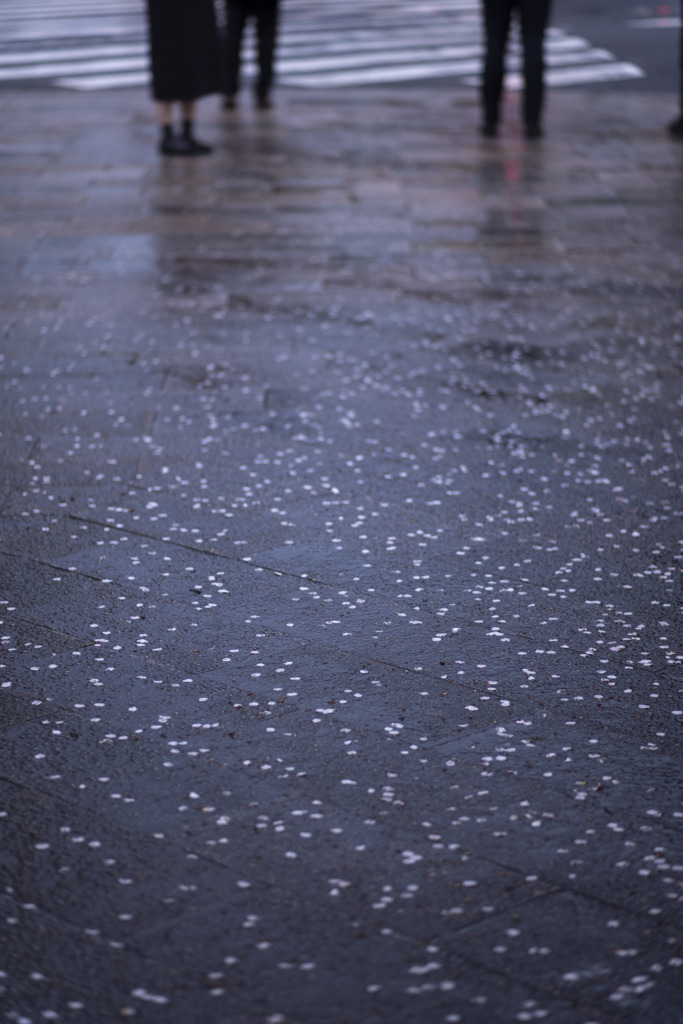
(340, 547)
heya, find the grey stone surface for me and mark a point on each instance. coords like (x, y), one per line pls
(340, 548)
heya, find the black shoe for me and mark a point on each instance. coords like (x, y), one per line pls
(228, 102)
(182, 145)
(489, 129)
(195, 148)
(174, 145)
(676, 128)
(533, 131)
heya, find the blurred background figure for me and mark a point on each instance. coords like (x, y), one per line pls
(265, 14)
(185, 59)
(533, 15)
(676, 127)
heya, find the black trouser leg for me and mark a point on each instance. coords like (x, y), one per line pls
(497, 14)
(266, 16)
(237, 13)
(534, 18)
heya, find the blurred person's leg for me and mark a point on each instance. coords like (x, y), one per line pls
(267, 18)
(237, 12)
(193, 146)
(676, 127)
(497, 15)
(534, 16)
(185, 144)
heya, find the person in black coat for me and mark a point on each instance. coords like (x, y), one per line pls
(185, 61)
(238, 12)
(534, 15)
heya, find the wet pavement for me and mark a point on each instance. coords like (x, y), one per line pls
(341, 563)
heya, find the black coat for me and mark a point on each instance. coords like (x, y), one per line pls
(184, 49)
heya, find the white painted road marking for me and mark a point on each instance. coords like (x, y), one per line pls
(328, 45)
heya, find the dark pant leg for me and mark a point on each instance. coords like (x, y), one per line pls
(237, 12)
(497, 15)
(266, 23)
(534, 16)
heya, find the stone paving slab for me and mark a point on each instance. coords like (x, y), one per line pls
(340, 562)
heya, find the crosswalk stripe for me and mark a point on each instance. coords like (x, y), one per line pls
(96, 83)
(372, 59)
(21, 11)
(378, 75)
(438, 57)
(614, 72)
(29, 58)
(662, 22)
(54, 30)
(82, 67)
(322, 45)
